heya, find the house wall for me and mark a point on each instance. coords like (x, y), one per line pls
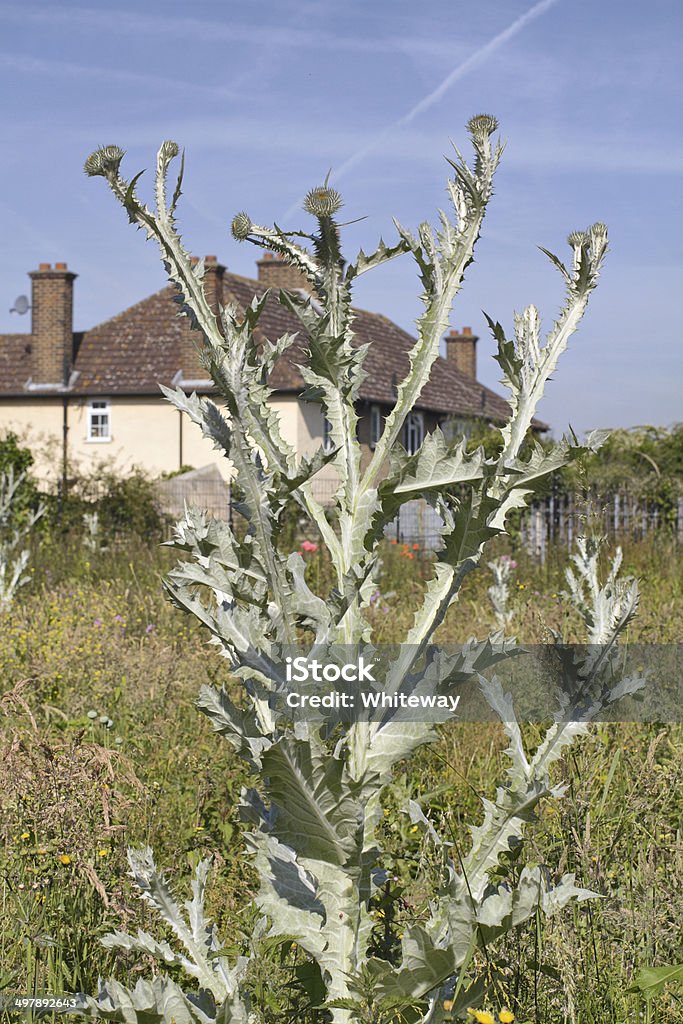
(38, 425)
(145, 432)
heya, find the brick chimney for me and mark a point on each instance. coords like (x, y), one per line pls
(213, 282)
(461, 351)
(274, 272)
(191, 341)
(51, 324)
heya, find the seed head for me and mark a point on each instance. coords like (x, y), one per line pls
(323, 201)
(241, 226)
(104, 161)
(482, 126)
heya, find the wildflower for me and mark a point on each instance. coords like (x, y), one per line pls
(25, 835)
(149, 628)
(394, 541)
(98, 622)
(414, 828)
(118, 618)
(102, 853)
(416, 547)
(482, 1016)
(448, 1005)
(308, 545)
(64, 858)
(505, 1017)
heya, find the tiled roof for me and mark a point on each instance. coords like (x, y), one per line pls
(15, 362)
(141, 347)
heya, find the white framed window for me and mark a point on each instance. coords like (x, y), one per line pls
(328, 443)
(99, 420)
(375, 425)
(413, 432)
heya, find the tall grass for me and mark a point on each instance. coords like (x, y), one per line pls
(100, 676)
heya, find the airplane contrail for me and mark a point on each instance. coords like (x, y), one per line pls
(435, 95)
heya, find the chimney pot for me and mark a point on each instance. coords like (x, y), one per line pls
(210, 259)
(44, 266)
(467, 331)
(61, 266)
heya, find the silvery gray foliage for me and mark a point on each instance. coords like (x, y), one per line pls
(315, 805)
(14, 556)
(499, 591)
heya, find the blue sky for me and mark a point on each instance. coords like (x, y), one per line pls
(266, 97)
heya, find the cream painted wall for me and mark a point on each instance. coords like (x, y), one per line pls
(39, 426)
(145, 432)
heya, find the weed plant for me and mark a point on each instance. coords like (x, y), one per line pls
(88, 797)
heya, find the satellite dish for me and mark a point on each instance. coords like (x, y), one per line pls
(20, 306)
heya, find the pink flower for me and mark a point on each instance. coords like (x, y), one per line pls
(308, 545)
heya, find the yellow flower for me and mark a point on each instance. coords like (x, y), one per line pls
(102, 853)
(414, 828)
(64, 858)
(25, 835)
(482, 1016)
(505, 1016)
(448, 1005)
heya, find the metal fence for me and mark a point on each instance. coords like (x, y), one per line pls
(620, 516)
(203, 487)
(550, 521)
(554, 520)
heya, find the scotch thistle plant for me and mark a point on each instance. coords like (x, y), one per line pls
(315, 806)
(14, 534)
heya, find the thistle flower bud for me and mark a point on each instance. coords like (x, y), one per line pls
(104, 161)
(169, 149)
(323, 201)
(481, 126)
(241, 226)
(577, 239)
(598, 234)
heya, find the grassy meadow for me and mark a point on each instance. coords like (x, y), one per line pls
(101, 748)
